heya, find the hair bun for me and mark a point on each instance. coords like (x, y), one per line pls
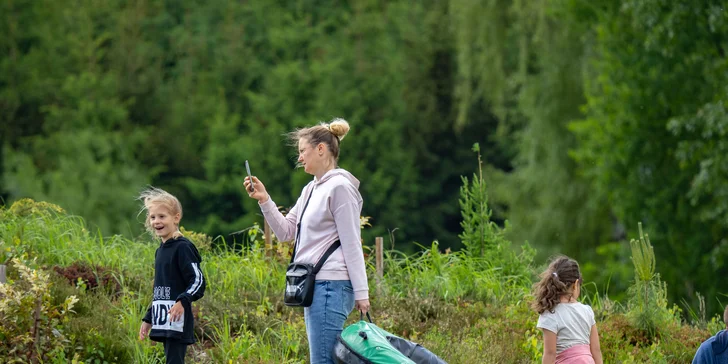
(339, 127)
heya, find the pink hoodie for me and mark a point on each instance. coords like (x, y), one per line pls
(332, 213)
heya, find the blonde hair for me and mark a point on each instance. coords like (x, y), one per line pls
(331, 134)
(556, 281)
(157, 196)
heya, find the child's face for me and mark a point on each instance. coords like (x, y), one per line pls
(162, 221)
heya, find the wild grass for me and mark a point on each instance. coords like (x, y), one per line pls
(464, 309)
(450, 277)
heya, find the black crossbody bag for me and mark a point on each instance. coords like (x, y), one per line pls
(301, 277)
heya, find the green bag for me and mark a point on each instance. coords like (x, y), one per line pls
(365, 343)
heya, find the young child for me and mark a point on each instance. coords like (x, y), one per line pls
(569, 329)
(714, 350)
(178, 279)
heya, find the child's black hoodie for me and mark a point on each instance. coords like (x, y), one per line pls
(177, 277)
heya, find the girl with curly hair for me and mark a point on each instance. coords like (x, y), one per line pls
(569, 329)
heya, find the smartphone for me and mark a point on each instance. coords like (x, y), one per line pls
(250, 176)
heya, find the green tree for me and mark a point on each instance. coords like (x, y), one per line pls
(72, 141)
(78, 154)
(484, 241)
(657, 77)
(525, 59)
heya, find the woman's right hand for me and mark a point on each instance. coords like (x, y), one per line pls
(260, 193)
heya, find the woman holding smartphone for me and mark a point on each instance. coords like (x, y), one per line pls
(332, 205)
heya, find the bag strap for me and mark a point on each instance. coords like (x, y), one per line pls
(298, 228)
(361, 316)
(326, 255)
(329, 251)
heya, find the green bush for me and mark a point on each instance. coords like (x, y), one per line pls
(34, 328)
(647, 305)
(484, 240)
(453, 303)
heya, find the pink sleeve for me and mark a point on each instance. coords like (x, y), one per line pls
(283, 226)
(346, 204)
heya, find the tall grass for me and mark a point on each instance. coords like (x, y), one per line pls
(451, 276)
(55, 238)
(464, 308)
(239, 283)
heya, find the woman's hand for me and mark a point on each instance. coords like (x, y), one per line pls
(362, 306)
(260, 193)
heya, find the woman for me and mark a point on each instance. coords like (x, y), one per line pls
(332, 206)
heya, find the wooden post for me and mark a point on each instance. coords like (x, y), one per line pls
(2, 273)
(266, 234)
(379, 252)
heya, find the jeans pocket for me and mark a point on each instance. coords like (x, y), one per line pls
(347, 299)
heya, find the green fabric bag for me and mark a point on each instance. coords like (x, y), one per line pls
(363, 343)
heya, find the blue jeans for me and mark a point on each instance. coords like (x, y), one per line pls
(332, 303)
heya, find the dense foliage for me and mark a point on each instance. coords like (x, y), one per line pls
(75, 296)
(591, 117)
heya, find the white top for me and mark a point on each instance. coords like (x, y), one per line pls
(571, 322)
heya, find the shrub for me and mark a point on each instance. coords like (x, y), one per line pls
(91, 277)
(202, 241)
(32, 325)
(464, 308)
(483, 239)
(647, 305)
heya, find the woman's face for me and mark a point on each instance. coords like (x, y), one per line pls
(309, 156)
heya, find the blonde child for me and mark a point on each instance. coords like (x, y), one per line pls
(569, 329)
(178, 279)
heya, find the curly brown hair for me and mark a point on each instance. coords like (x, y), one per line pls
(556, 281)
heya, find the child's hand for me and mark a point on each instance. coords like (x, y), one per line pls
(144, 330)
(176, 312)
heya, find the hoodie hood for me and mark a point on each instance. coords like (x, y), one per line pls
(338, 172)
(180, 239)
(172, 241)
(721, 342)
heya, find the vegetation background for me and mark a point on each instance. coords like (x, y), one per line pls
(591, 117)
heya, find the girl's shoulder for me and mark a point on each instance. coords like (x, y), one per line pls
(577, 305)
(585, 307)
(581, 309)
(184, 242)
(181, 239)
(574, 306)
